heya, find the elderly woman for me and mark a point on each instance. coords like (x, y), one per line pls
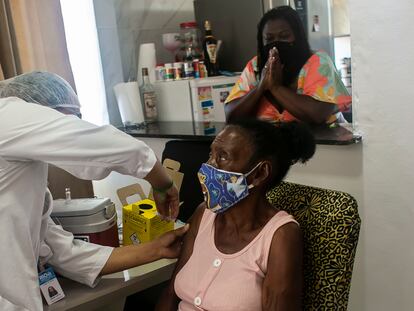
(32, 136)
(240, 252)
(286, 80)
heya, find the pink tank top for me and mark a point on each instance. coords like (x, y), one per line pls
(211, 280)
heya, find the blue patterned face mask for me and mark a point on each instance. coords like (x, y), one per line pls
(223, 189)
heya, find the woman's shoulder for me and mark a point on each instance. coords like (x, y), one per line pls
(318, 64)
(320, 54)
(282, 217)
(276, 222)
(319, 58)
(251, 65)
(285, 228)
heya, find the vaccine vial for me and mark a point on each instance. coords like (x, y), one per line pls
(67, 194)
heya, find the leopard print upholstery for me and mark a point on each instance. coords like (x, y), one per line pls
(330, 224)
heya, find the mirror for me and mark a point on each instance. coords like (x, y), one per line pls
(327, 22)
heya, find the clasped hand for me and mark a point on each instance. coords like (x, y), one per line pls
(272, 73)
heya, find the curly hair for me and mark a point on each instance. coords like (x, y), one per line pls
(284, 144)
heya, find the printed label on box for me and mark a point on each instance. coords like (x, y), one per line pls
(142, 225)
(134, 239)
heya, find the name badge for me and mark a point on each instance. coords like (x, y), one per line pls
(50, 287)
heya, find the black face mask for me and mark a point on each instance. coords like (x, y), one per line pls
(291, 56)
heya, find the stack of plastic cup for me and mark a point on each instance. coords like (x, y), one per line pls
(147, 59)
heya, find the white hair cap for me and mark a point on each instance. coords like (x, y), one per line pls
(43, 88)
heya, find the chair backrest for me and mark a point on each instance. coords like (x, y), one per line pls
(191, 154)
(330, 223)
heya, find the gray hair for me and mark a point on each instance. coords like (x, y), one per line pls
(43, 88)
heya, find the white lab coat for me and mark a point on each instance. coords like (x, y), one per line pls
(31, 136)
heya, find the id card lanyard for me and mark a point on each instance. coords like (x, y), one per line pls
(49, 284)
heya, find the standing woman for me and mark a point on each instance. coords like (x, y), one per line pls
(287, 81)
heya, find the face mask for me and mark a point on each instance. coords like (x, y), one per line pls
(223, 189)
(291, 56)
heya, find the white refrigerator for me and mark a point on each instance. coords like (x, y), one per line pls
(196, 100)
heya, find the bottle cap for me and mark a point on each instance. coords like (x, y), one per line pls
(188, 25)
(145, 71)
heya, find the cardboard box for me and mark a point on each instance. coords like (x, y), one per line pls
(141, 222)
(172, 168)
(142, 225)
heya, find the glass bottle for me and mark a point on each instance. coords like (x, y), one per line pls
(210, 51)
(68, 196)
(148, 98)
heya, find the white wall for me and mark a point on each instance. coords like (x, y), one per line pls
(378, 172)
(382, 53)
(382, 178)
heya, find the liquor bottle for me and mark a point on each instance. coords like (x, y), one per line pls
(210, 51)
(148, 98)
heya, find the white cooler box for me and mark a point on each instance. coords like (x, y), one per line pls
(92, 220)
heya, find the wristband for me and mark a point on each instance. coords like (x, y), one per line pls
(163, 190)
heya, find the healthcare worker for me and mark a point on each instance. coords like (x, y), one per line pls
(33, 136)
